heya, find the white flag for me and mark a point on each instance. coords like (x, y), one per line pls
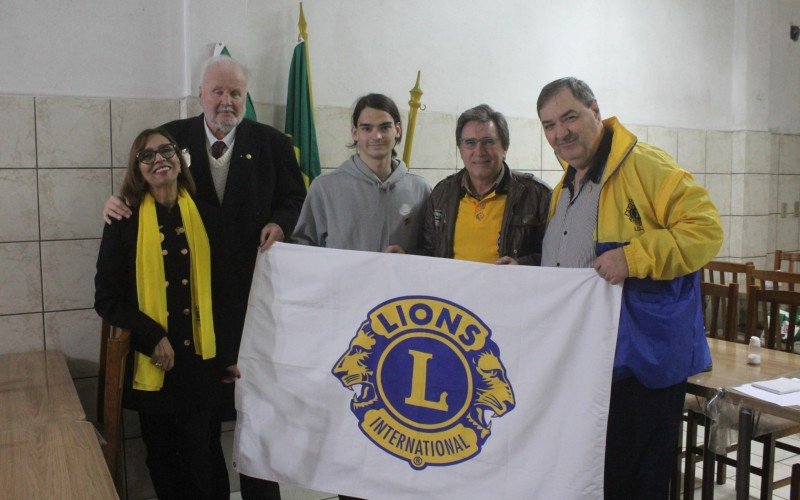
(399, 376)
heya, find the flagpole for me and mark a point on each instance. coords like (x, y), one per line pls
(413, 105)
(302, 28)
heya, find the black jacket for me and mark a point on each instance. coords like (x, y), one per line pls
(524, 218)
(192, 380)
(264, 185)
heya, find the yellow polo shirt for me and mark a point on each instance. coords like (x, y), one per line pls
(478, 227)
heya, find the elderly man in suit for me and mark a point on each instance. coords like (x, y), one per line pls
(249, 170)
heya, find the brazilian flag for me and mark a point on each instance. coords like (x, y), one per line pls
(249, 110)
(300, 115)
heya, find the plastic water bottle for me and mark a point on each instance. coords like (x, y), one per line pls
(754, 351)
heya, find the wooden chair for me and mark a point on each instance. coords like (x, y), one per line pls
(115, 343)
(769, 304)
(720, 312)
(721, 272)
(768, 429)
(720, 309)
(776, 280)
(790, 258)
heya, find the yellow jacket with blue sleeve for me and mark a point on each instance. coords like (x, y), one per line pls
(668, 228)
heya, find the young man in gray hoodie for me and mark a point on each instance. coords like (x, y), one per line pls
(371, 202)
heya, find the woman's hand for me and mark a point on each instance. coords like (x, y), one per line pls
(231, 375)
(163, 356)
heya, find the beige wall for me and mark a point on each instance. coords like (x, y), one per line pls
(61, 157)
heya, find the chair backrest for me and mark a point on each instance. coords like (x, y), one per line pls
(780, 309)
(115, 343)
(776, 280)
(720, 309)
(790, 258)
(723, 273)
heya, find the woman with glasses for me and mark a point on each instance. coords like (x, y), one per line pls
(155, 278)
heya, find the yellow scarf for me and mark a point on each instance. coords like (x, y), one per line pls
(152, 293)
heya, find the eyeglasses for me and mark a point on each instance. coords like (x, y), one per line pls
(486, 142)
(148, 156)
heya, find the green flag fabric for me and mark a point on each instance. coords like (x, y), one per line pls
(300, 115)
(250, 110)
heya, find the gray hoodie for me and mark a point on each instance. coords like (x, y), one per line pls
(351, 209)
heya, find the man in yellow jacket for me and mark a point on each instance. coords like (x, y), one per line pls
(628, 210)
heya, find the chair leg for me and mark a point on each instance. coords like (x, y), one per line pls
(675, 479)
(709, 458)
(794, 489)
(691, 443)
(721, 478)
(767, 467)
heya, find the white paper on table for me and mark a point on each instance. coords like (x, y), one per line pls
(791, 399)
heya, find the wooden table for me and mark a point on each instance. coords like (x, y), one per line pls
(730, 369)
(35, 388)
(56, 460)
(47, 448)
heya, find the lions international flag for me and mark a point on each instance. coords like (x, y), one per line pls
(398, 376)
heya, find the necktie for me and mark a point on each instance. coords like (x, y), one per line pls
(218, 149)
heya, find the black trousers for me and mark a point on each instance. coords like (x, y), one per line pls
(253, 488)
(183, 455)
(643, 427)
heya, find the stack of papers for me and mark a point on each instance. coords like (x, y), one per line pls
(780, 391)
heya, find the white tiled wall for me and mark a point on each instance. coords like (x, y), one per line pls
(61, 157)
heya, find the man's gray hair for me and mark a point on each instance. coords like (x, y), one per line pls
(484, 113)
(579, 90)
(225, 61)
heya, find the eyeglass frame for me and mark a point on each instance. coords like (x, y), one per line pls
(486, 142)
(172, 147)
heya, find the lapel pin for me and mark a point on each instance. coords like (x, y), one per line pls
(248, 156)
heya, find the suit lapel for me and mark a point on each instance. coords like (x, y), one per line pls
(201, 170)
(243, 159)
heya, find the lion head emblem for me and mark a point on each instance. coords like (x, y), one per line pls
(355, 368)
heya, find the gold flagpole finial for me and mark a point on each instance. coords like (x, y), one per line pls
(413, 105)
(302, 26)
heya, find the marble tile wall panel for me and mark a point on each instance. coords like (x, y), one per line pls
(749, 235)
(772, 234)
(752, 153)
(21, 333)
(117, 178)
(725, 249)
(17, 132)
(787, 234)
(549, 160)
(131, 116)
(719, 188)
(665, 138)
(271, 114)
(333, 136)
(640, 131)
(719, 150)
(71, 202)
(73, 132)
(18, 204)
(432, 175)
(750, 194)
(20, 275)
(692, 150)
(68, 269)
(435, 142)
(77, 334)
(191, 106)
(524, 152)
(789, 154)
